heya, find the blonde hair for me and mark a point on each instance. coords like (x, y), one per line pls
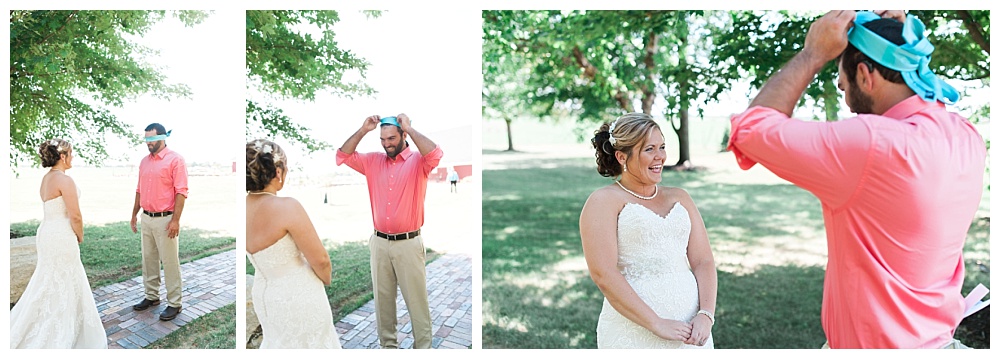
(630, 130)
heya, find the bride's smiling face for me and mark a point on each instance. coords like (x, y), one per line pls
(646, 163)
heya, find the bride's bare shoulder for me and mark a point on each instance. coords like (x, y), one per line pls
(605, 197)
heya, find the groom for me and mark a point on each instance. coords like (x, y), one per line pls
(900, 183)
(397, 184)
(162, 190)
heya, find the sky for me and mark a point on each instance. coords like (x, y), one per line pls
(421, 63)
(208, 58)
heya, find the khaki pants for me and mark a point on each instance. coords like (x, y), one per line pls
(157, 249)
(400, 262)
(953, 344)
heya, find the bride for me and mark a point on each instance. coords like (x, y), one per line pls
(57, 308)
(646, 246)
(291, 264)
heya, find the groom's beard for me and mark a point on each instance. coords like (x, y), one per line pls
(395, 149)
(155, 147)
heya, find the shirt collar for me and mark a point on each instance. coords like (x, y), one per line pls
(910, 106)
(403, 155)
(160, 155)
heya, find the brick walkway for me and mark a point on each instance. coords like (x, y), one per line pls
(209, 284)
(449, 284)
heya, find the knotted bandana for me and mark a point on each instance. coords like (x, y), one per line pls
(911, 59)
(159, 137)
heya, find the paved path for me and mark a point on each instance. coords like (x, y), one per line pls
(449, 287)
(209, 284)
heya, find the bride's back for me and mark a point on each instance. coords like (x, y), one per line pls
(267, 221)
(52, 185)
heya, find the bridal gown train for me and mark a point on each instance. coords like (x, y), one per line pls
(652, 255)
(290, 300)
(57, 308)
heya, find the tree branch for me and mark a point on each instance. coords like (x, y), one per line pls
(975, 30)
(589, 70)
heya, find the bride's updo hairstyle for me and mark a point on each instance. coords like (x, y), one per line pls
(623, 134)
(263, 159)
(51, 150)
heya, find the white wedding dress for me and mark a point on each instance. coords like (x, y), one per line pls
(57, 308)
(290, 300)
(652, 255)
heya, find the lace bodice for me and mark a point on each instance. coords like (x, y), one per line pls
(649, 244)
(652, 255)
(290, 301)
(281, 259)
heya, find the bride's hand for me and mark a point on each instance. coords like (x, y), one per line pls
(672, 330)
(701, 329)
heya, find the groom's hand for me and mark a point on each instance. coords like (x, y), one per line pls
(371, 123)
(133, 225)
(173, 228)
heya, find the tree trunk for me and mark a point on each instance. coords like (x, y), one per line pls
(510, 140)
(683, 86)
(649, 89)
(683, 140)
(831, 103)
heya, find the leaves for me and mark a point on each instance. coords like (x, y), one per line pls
(755, 44)
(595, 65)
(294, 55)
(67, 67)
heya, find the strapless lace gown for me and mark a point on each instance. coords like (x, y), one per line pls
(290, 300)
(57, 308)
(652, 255)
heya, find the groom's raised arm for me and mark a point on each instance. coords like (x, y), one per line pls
(346, 153)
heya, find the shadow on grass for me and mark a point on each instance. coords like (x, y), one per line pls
(501, 152)
(564, 315)
(531, 236)
(111, 253)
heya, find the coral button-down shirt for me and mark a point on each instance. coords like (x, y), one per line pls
(397, 187)
(162, 176)
(899, 192)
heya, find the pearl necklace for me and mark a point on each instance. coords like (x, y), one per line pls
(263, 192)
(656, 190)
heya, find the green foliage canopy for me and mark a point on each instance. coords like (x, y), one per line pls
(294, 55)
(68, 67)
(753, 45)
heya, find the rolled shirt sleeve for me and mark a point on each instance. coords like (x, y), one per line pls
(180, 174)
(825, 158)
(432, 159)
(357, 161)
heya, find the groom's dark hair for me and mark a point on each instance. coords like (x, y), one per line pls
(158, 127)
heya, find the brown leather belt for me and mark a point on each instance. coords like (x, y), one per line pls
(398, 237)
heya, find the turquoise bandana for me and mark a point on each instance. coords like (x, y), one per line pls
(159, 137)
(390, 120)
(911, 59)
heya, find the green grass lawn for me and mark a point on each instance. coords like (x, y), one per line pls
(215, 330)
(537, 292)
(111, 253)
(351, 283)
